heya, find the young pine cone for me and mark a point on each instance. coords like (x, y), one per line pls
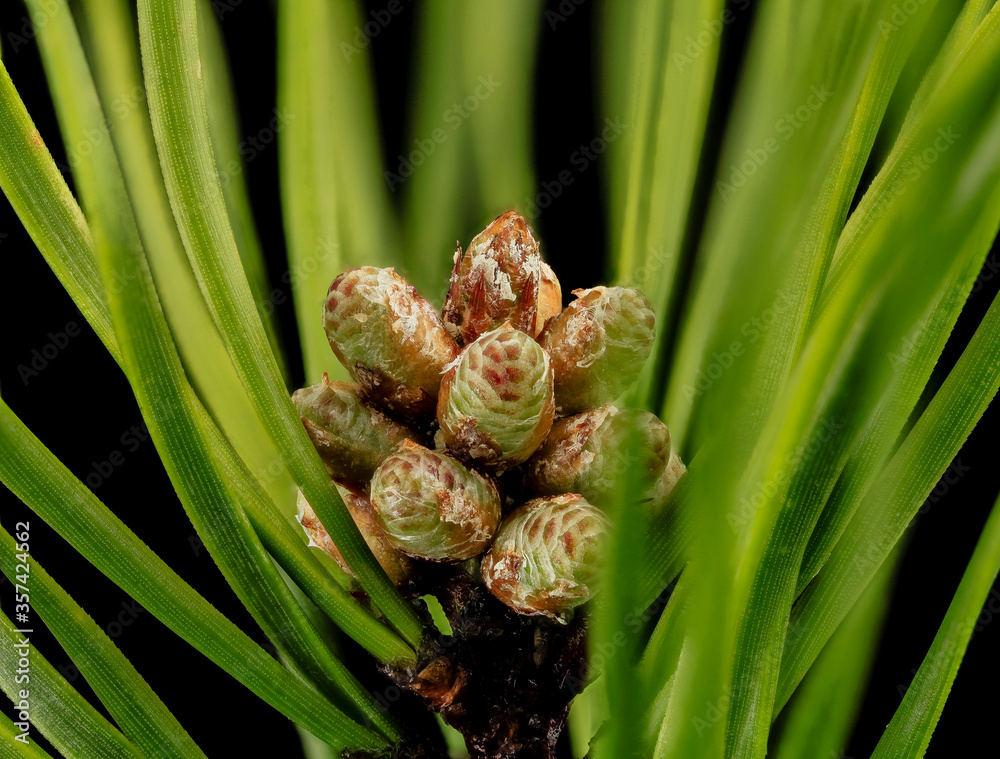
(496, 404)
(598, 344)
(393, 561)
(547, 556)
(431, 507)
(389, 339)
(583, 454)
(491, 408)
(351, 436)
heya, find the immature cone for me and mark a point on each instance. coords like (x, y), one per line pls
(351, 436)
(547, 555)
(583, 454)
(389, 338)
(598, 344)
(395, 563)
(496, 281)
(430, 506)
(496, 403)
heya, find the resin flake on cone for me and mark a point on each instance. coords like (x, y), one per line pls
(549, 298)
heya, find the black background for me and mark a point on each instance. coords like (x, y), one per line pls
(81, 406)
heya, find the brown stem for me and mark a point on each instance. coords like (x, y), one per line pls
(503, 680)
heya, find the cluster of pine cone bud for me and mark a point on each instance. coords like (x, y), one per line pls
(488, 429)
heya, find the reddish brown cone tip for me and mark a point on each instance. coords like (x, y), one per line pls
(496, 280)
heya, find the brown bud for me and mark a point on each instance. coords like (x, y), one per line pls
(394, 562)
(549, 298)
(497, 280)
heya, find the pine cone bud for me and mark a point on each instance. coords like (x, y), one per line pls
(389, 338)
(598, 344)
(351, 436)
(547, 555)
(395, 564)
(497, 280)
(496, 404)
(431, 507)
(549, 298)
(583, 454)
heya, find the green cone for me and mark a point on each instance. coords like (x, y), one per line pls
(389, 339)
(431, 507)
(583, 454)
(496, 403)
(598, 344)
(351, 436)
(547, 555)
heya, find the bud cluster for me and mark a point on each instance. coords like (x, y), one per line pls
(506, 382)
